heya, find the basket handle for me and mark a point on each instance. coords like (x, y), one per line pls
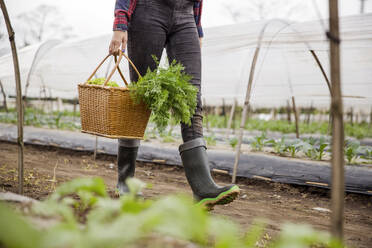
(117, 62)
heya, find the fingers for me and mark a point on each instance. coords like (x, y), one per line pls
(119, 38)
(114, 47)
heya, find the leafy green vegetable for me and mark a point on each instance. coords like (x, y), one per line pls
(233, 142)
(321, 150)
(278, 145)
(101, 81)
(259, 142)
(308, 150)
(134, 222)
(293, 148)
(166, 91)
(351, 151)
(211, 140)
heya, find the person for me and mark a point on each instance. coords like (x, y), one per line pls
(146, 27)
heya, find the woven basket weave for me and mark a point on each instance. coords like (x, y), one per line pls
(110, 111)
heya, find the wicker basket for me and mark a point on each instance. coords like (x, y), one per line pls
(110, 111)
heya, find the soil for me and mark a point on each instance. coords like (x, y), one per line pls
(46, 167)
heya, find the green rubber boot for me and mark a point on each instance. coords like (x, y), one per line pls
(206, 191)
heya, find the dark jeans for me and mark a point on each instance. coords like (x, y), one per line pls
(170, 24)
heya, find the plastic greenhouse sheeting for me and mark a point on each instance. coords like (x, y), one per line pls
(285, 66)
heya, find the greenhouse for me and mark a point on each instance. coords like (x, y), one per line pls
(295, 147)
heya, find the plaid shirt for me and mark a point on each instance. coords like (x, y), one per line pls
(125, 8)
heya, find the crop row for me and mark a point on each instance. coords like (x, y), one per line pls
(85, 216)
(314, 149)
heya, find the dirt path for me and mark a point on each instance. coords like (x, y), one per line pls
(276, 203)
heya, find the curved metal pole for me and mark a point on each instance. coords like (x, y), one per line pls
(34, 62)
(250, 82)
(322, 70)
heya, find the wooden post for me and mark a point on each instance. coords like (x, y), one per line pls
(224, 112)
(351, 116)
(231, 118)
(275, 114)
(74, 116)
(244, 114)
(288, 112)
(296, 117)
(4, 96)
(338, 185)
(19, 96)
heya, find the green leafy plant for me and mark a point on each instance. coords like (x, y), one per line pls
(293, 148)
(166, 92)
(211, 140)
(279, 146)
(308, 149)
(367, 154)
(135, 222)
(321, 150)
(259, 142)
(351, 151)
(233, 142)
(101, 81)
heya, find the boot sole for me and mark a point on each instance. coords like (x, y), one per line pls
(222, 199)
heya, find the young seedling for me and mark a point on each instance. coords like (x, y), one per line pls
(293, 148)
(278, 145)
(233, 142)
(321, 151)
(351, 151)
(259, 142)
(211, 140)
(308, 150)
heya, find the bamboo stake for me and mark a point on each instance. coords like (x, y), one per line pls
(74, 116)
(338, 185)
(288, 112)
(296, 117)
(244, 114)
(231, 118)
(224, 112)
(351, 116)
(19, 95)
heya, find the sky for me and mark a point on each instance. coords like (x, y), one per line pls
(92, 17)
